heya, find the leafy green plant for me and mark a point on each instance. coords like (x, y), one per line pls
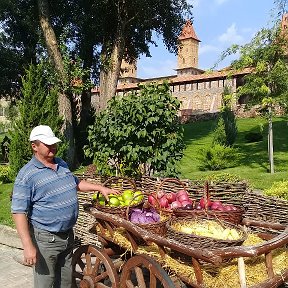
(38, 105)
(219, 135)
(138, 134)
(278, 189)
(253, 137)
(5, 174)
(218, 157)
(223, 177)
(226, 130)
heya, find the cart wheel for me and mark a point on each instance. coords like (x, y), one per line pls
(93, 268)
(142, 271)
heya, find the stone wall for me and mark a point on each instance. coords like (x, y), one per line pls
(201, 97)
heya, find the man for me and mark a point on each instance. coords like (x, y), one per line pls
(45, 209)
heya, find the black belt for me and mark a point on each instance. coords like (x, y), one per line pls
(64, 234)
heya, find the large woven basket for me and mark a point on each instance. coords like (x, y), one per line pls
(232, 216)
(171, 185)
(120, 184)
(159, 228)
(201, 241)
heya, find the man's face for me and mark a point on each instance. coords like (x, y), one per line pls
(44, 150)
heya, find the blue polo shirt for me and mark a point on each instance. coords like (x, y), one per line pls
(47, 196)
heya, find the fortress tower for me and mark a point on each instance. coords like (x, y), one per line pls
(128, 72)
(188, 51)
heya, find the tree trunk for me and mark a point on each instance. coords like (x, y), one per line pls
(64, 103)
(270, 141)
(109, 75)
(81, 133)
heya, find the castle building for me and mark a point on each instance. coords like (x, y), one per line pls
(199, 91)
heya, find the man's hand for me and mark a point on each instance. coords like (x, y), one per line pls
(88, 186)
(30, 254)
(106, 191)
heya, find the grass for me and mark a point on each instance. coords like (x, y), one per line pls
(253, 164)
(5, 204)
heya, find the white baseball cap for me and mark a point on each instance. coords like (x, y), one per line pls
(44, 134)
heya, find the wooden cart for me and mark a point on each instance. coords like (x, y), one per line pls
(113, 265)
(104, 267)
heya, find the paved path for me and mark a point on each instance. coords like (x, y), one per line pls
(13, 274)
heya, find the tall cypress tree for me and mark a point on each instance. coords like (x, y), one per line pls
(38, 106)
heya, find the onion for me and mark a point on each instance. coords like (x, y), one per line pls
(198, 207)
(188, 207)
(181, 192)
(152, 200)
(230, 207)
(215, 205)
(171, 197)
(175, 205)
(163, 202)
(203, 204)
(160, 194)
(185, 203)
(220, 208)
(183, 197)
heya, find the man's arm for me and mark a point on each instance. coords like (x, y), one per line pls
(88, 186)
(22, 227)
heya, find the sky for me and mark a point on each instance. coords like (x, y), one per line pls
(218, 24)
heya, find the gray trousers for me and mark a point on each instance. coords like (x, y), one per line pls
(54, 256)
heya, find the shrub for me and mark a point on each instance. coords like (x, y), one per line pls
(219, 134)
(138, 134)
(5, 174)
(254, 137)
(218, 157)
(278, 189)
(38, 105)
(223, 177)
(226, 130)
(230, 125)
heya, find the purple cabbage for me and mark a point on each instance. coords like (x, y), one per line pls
(146, 216)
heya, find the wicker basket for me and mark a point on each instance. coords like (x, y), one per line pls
(201, 241)
(171, 185)
(159, 228)
(120, 184)
(232, 216)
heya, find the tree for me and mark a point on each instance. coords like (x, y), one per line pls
(18, 43)
(225, 132)
(138, 134)
(37, 106)
(130, 33)
(64, 101)
(101, 33)
(267, 83)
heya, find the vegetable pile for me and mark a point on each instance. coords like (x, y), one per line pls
(144, 216)
(207, 228)
(214, 205)
(171, 200)
(126, 198)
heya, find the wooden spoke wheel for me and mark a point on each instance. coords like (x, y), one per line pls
(92, 267)
(142, 271)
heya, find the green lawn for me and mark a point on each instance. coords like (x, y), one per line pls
(5, 214)
(253, 164)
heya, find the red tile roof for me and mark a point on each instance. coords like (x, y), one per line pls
(188, 32)
(181, 79)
